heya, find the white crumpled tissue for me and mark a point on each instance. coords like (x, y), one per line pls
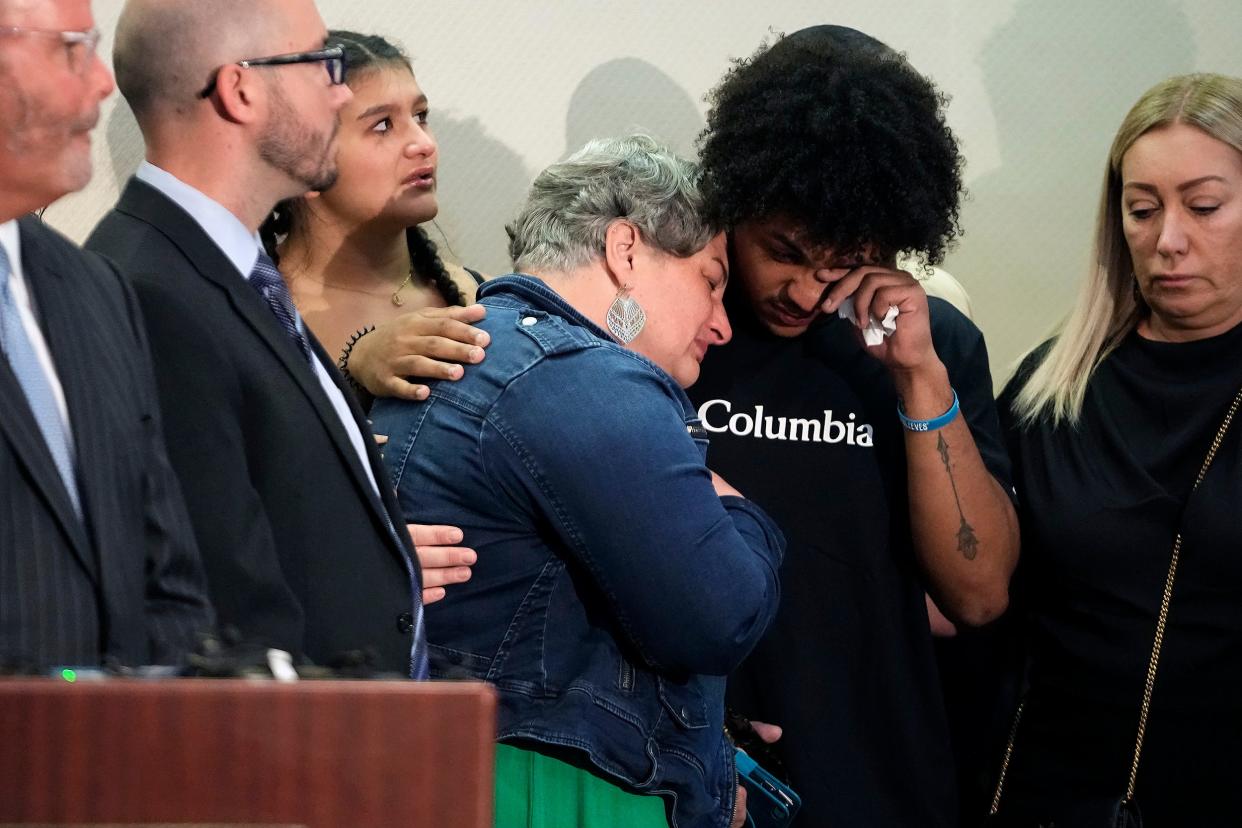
(873, 332)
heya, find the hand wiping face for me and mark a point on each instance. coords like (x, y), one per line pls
(874, 331)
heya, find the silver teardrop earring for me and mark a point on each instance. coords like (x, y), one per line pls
(626, 317)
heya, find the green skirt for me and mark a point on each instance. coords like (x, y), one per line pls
(537, 791)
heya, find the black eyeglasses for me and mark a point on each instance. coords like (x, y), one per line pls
(333, 59)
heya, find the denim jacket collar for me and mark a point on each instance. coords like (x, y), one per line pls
(535, 292)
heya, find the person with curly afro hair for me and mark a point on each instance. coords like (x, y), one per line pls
(874, 443)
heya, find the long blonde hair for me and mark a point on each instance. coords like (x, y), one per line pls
(1108, 308)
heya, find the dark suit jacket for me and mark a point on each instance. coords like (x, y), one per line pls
(125, 581)
(294, 540)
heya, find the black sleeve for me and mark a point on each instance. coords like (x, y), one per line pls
(961, 348)
(203, 411)
(177, 609)
(1019, 584)
(1009, 394)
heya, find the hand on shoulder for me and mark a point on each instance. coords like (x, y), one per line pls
(431, 343)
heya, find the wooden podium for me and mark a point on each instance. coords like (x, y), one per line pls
(195, 752)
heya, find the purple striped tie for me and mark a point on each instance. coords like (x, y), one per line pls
(266, 279)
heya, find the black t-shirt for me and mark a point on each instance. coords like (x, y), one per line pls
(1101, 503)
(807, 428)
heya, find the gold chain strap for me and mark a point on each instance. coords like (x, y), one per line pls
(1154, 662)
(1000, 783)
(1157, 644)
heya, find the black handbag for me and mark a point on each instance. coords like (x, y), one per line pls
(1101, 813)
(1123, 811)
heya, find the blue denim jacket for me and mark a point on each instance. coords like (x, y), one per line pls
(614, 589)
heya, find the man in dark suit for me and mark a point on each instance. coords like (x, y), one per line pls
(97, 558)
(299, 529)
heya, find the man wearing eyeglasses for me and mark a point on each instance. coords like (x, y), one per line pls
(97, 557)
(301, 536)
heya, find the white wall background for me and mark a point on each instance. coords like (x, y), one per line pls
(1038, 87)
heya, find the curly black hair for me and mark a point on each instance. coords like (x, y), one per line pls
(365, 53)
(836, 131)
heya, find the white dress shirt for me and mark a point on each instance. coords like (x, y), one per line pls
(242, 247)
(11, 241)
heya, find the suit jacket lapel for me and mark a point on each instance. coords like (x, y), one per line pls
(387, 501)
(145, 203)
(48, 284)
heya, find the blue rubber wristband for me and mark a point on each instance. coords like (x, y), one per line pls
(934, 423)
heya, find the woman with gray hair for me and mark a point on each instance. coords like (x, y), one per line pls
(618, 580)
(1127, 461)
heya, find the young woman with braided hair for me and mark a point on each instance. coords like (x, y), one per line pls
(354, 254)
(357, 261)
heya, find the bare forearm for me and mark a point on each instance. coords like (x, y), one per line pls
(964, 528)
(963, 525)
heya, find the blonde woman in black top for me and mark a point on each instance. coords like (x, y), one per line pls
(1109, 424)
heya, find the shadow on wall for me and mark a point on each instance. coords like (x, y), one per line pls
(630, 95)
(125, 145)
(482, 183)
(1061, 74)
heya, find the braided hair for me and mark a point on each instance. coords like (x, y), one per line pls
(364, 54)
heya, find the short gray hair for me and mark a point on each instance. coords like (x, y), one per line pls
(570, 206)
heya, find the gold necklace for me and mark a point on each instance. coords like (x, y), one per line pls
(396, 294)
(395, 297)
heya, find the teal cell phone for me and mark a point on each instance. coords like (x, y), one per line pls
(770, 803)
